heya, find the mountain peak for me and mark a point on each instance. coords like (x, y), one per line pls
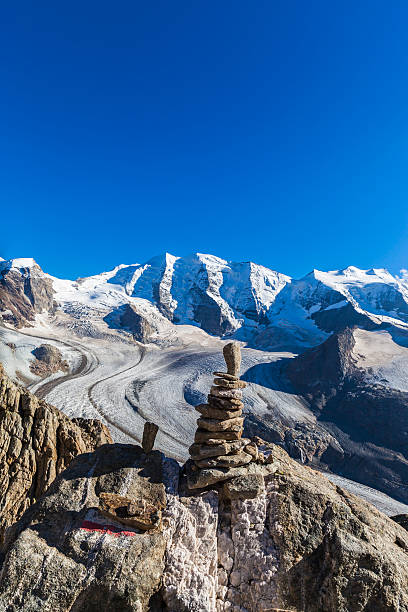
(162, 258)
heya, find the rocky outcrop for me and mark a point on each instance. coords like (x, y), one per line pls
(37, 443)
(136, 323)
(320, 373)
(24, 291)
(72, 550)
(133, 319)
(366, 419)
(48, 360)
(299, 543)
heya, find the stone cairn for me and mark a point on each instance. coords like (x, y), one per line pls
(218, 447)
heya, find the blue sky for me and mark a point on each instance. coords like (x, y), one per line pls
(272, 131)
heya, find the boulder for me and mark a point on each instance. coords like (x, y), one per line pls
(202, 451)
(216, 391)
(134, 511)
(226, 376)
(252, 450)
(225, 404)
(200, 479)
(149, 436)
(230, 384)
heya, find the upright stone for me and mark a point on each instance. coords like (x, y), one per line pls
(149, 436)
(232, 356)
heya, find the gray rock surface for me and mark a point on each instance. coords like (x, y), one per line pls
(129, 318)
(282, 536)
(65, 555)
(247, 486)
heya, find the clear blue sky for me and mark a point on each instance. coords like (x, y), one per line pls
(274, 131)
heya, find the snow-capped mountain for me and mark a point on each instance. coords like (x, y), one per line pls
(204, 290)
(139, 343)
(306, 311)
(244, 300)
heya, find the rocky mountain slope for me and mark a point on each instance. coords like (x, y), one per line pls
(360, 395)
(37, 442)
(24, 291)
(301, 543)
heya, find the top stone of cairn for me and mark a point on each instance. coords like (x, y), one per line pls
(232, 356)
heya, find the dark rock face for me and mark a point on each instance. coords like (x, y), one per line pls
(136, 323)
(129, 318)
(340, 318)
(208, 314)
(37, 443)
(354, 554)
(401, 519)
(368, 421)
(23, 293)
(320, 372)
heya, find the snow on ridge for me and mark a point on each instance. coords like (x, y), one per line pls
(19, 263)
(244, 291)
(208, 259)
(223, 296)
(354, 275)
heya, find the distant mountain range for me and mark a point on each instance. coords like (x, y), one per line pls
(140, 342)
(246, 301)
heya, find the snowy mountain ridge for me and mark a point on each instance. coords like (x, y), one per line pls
(234, 299)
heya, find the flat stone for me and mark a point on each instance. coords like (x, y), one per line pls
(206, 477)
(204, 436)
(240, 458)
(217, 425)
(136, 512)
(215, 413)
(203, 451)
(245, 486)
(227, 404)
(226, 393)
(232, 356)
(221, 382)
(225, 375)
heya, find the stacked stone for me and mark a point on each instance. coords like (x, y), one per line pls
(217, 442)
